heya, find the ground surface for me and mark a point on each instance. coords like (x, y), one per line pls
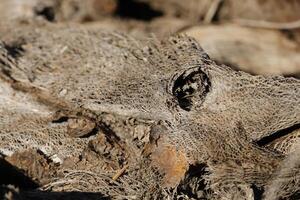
(98, 101)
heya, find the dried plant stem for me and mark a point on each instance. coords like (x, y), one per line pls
(267, 24)
(212, 11)
(120, 172)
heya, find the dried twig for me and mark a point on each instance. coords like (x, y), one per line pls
(267, 24)
(212, 11)
(119, 173)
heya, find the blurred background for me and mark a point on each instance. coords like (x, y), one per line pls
(256, 36)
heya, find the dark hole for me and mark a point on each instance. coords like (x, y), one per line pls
(10, 175)
(46, 12)
(185, 104)
(61, 120)
(136, 10)
(184, 93)
(268, 139)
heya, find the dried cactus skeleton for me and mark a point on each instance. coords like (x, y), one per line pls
(153, 112)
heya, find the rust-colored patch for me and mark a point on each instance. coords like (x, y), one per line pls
(171, 162)
(105, 7)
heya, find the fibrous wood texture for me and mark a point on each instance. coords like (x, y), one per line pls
(100, 111)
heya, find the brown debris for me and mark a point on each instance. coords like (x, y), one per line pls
(80, 127)
(34, 165)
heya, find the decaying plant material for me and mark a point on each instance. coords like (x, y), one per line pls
(257, 51)
(261, 10)
(275, 53)
(98, 111)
